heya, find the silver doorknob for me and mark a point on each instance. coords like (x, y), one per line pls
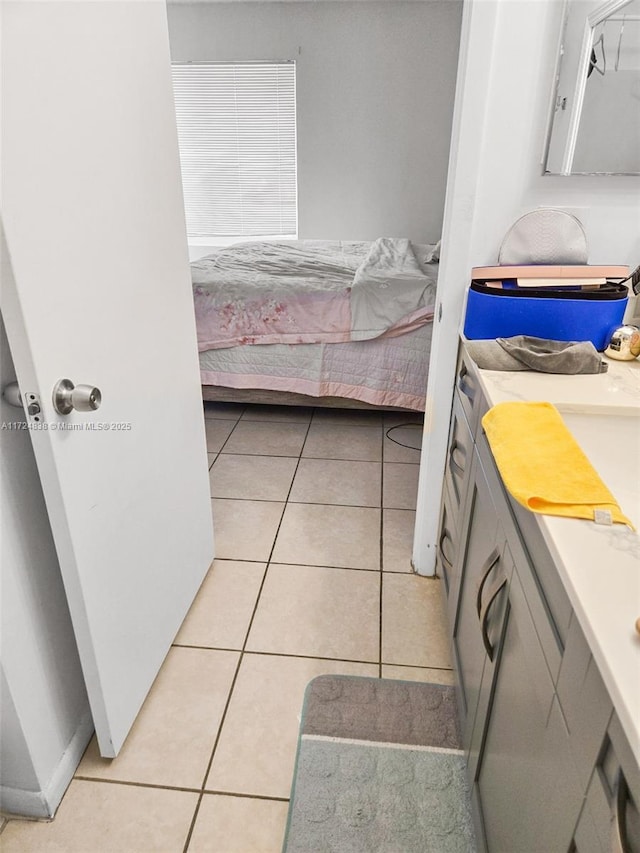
(82, 398)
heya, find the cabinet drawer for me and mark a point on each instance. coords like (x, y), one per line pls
(447, 548)
(613, 798)
(477, 622)
(626, 783)
(468, 388)
(525, 538)
(548, 600)
(459, 456)
(528, 791)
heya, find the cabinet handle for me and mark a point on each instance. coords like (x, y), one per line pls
(465, 383)
(489, 564)
(453, 465)
(485, 615)
(619, 821)
(446, 536)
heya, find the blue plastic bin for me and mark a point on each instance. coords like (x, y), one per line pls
(557, 319)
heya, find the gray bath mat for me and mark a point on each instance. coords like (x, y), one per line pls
(379, 768)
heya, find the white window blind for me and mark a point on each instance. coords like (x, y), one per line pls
(237, 137)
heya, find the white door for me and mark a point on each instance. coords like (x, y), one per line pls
(96, 289)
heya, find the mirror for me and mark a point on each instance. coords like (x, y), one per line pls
(595, 121)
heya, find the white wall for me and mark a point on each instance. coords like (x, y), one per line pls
(375, 85)
(17, 774)
(502, 105)
(45, 723)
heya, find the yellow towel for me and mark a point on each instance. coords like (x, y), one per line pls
(542, 465)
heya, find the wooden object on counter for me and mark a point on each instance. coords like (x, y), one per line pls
(550, 271)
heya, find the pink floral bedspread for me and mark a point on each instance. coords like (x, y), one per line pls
(311, 292)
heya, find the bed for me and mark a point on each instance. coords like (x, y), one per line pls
(316, 322)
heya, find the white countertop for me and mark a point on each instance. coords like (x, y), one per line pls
(599, 565)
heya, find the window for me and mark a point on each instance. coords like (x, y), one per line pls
(237, 137)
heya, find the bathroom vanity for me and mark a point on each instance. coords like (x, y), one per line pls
(542, 617)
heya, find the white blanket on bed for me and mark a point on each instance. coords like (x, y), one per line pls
(388, 288)
(311, 292)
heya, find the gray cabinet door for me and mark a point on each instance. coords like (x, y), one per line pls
(610, 820)
(525, 781)
(480, 610)
(459, 465)
(446, 554)
(468, 389)
(459, 455)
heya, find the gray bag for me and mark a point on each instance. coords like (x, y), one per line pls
(544, 236)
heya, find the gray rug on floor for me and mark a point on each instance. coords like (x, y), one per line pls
(379, 768)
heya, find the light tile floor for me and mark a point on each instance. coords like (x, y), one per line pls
(314, 512)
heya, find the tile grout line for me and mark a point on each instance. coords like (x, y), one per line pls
(241, 796)
(192, 825)
(318, 565)
(213, 750)
(288, 655)
(306, 503)
(305, 458)
(131, 784)
(218, 452)
(228, 700)
(321, 565)
(311, 657)
(242, 652)
(273, 544)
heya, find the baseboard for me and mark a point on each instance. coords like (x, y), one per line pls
(43, 804)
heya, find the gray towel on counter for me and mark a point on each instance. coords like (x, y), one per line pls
(523, 352)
